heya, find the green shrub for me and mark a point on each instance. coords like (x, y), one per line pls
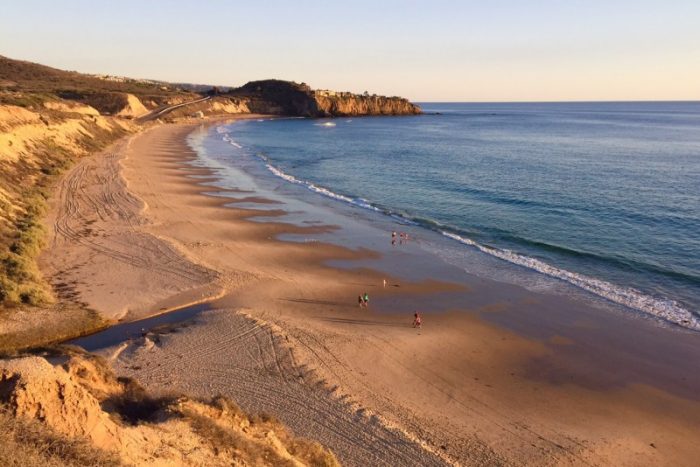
(20, 280)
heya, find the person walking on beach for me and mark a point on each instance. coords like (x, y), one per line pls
(360, 301)
(365, 299)
(393, 237)
(416, 320)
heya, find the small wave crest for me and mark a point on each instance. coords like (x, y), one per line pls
(666, 309)
(231, 141)
(361, 202)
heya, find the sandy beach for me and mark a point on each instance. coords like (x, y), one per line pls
(500, 376)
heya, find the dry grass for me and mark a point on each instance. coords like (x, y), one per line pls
(219, 426)
(135, 405)
(27, 443)
(20, 280)
(223, 440)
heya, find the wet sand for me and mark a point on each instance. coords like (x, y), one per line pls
(497, 375)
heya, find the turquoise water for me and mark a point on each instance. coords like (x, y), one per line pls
(602, 196)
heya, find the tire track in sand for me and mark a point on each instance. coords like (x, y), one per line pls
(97, 216)
(233, 355)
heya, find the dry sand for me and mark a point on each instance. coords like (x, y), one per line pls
(288, 339)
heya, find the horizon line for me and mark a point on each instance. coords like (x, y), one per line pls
(573, 101)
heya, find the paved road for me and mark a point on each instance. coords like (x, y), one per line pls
(160, 111)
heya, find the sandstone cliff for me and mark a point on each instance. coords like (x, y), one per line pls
(83, 400)
(331, 103)
(133, 107)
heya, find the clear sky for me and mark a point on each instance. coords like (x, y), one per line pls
(439, 50)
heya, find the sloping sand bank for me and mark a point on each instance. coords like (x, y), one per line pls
(102, 253)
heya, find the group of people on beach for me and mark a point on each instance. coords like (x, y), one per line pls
(403, 237)
(363, 300)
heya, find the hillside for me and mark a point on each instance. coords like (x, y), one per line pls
(27, 84)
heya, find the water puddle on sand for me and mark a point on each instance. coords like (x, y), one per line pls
(124, 332)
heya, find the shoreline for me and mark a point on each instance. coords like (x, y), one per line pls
(437, 389)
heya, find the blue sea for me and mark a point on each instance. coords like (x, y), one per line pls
(603, 198)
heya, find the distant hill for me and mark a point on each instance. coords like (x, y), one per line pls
(29, 84)
(26, 83)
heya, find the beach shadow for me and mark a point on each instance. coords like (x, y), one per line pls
(374, 285)
(315, 302)
(364, 322)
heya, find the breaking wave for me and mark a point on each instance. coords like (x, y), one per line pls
(231, 141)
(665, 309)
(360, 202)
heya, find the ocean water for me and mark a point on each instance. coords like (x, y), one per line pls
(602, 197)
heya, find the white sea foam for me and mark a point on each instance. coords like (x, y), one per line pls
(360, 202)
(668, 310)
(325, 124)
(231, 141)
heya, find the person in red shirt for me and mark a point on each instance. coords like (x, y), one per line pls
(416, 320)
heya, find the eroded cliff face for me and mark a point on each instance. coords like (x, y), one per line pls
(347, 104)
(288, 98)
